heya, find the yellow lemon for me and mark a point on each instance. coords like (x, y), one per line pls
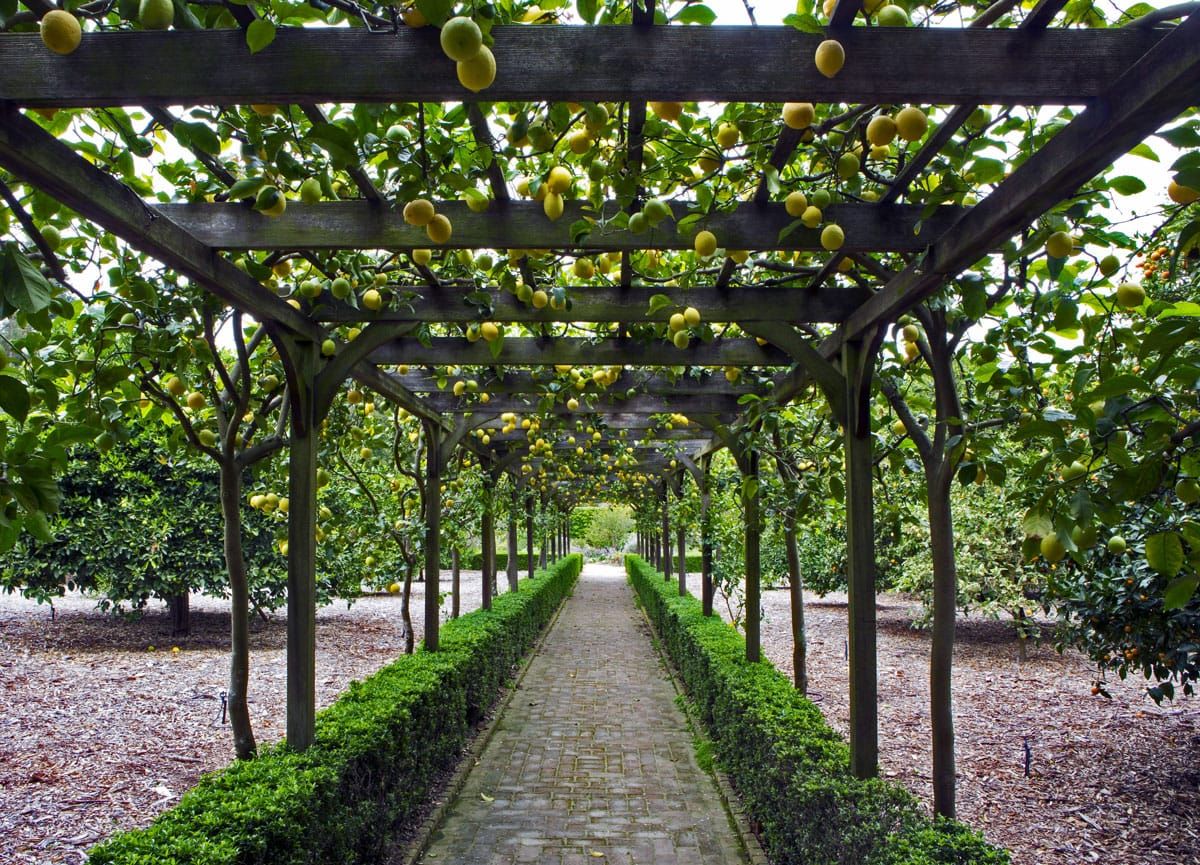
(60, 31)
(439, 229)
(705, 244)
(479, 72)
(830, 57)
(419, 211)
(798, 115)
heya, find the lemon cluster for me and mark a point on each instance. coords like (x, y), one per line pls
(462, 40)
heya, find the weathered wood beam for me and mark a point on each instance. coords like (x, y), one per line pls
(1156, 89)
(564, 350)
(560, 63)
(523, 225)
(41, 160)
(523, 382)
(590, 404)
(606, 303)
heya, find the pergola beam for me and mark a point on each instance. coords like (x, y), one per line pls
(359, 224)
(609, 303)
(545, 351)
(589, 404)
(537, 382)
(563, 63)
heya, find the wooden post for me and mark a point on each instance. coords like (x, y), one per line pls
(433, 526)
(455, 582)
(750, 499)
(487, 537)
(302, 361)
(860, 555)
(529, 505)
(681, 542)
(545, 534)
(706, 547)
(666, 531)
(511, 569)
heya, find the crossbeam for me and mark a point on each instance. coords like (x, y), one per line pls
(537, 382)
(564, 63)
(360, 224)
(443, 351)
(590, 404)
(610, 303)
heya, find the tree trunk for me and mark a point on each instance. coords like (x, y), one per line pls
(410, 639)
(941, 656)
(753, 561)
(529, 561)
(487, 533)
(455, 582)
(181, 614)
(681, 543)
(796, 581)
(239, 613)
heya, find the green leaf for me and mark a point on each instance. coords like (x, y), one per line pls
(247, 187)
(805, 23)
(1182, 137)
(1127, 185)
(436, 11)
(1164, 553)
(14, 398)
(199, 136)
(1179, 592)
(659, 302)
(496, 346)
(259, 34)
(1145, 151)
(21, 283)
(587, 10)
(1037, 523)
(1189, 177)
(697, 13)
(37, 526)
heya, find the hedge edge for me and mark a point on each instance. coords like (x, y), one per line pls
(789, 766)
(377, 750)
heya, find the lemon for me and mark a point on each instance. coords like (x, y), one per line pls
(676, 322)
(489, 331)
(830, 57)
(60, 31)
(848, 165)
(1130, 295)
(583, 268)
(911, 123)
(156, 14)
(1177, 192)
(728, 136)
(638, 223)
(439, 229)
(580, 142)
(195, 400)
(656, 210)
(558, 180)
(811, 217)
(1052, 548)
(1059, 245)
(705, 244)
(795, 204)
(681, 339)
(892, 16)
(329, 348)
(479, 72)
(1109, 265)
(461, 38)
(422, 256)
(881, 130)
(691, 315)
(798, 115)
(669, 111)
(832, 237)
(52, 236)
(310, 191)
(270, 201)
(739, 255)
(709, 163)
(372, 299)
(552, 205)
(539, 299)
(419, 211)
(414, 18)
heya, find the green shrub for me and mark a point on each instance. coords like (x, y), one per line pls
(790, 767)
(377, 750)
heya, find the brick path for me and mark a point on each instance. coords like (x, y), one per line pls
(592, 761)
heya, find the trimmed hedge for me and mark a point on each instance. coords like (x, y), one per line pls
(473, 561)
(790, 767)
(377, 750)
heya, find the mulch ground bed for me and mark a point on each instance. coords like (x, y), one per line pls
(1111, 780)
(106, 721)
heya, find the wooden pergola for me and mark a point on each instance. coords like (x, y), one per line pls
(1131, 80)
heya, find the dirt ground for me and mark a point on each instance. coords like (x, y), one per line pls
(100, 732)
(104, 724)
(1113, 781)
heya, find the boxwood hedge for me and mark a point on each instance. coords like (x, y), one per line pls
(377, 750)
(789, 766)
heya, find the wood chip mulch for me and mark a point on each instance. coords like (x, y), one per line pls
(1111, 780)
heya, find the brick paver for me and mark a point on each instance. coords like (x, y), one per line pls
(592, 761)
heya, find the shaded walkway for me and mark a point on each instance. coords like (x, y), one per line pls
(592, 761)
